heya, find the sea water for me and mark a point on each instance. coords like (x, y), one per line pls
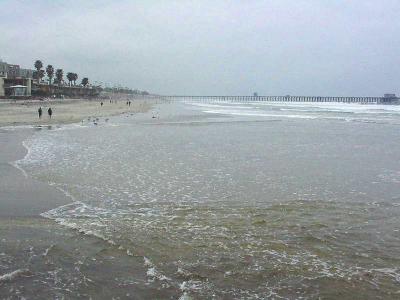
(226, 201)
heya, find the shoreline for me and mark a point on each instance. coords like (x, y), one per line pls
(31, 243)
(17, 187)
(20, 194)
(19, 114)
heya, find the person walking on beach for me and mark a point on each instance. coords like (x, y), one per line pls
(50, 112)
(40, 112)
(101, 104)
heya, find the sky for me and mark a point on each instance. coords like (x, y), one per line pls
(216, 47)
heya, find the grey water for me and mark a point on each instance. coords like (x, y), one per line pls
(223, 201)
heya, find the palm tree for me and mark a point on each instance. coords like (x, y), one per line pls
(70, 77)
(85, 81)
(75, 78)
(41, 74)
(38, 66)
(59, 75)
(50, 72)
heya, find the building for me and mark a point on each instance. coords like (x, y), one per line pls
(389, 95)
(3, 74)
(15, 81)
(3, 69)
(18, 90)
(389, 98)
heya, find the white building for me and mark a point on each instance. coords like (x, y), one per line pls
(15, 81)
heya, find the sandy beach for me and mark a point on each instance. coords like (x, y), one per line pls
(65, 111)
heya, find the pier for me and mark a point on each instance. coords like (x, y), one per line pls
(386, 99)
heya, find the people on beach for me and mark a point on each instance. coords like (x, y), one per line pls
(40, 112)
(129, 103)
(101, 104)
(50, 112)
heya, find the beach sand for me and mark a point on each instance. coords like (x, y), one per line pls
(65, 111)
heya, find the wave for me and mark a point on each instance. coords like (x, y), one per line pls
(350, 112)
(15, 274)
(17, 164)
(257, 114)
(66, 214)
(334, 107)
(220, 106)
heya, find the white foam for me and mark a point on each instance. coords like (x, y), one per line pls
(304, 110)
(11, 276)
(16, 164)
(257, 114)
(147, 262)
(65, 192)
(333, 106)
(185, 296)
(17, 127)
(64, 215)
(235, 105)
(46, 252)
(394, 273)
(193, 286)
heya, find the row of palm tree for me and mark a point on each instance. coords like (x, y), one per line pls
(59, 75)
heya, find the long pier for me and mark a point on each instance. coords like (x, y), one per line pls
(364, 100)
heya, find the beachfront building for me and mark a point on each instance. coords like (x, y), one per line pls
(15, 81)
(3, 74)
(18, 90)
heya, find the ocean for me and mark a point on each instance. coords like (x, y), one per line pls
(216, 200)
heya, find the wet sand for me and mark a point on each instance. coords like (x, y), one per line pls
(65, 111)
(21, 195)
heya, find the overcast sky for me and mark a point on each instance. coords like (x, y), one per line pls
(276, 47)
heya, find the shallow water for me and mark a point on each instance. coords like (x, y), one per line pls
(228, 200)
